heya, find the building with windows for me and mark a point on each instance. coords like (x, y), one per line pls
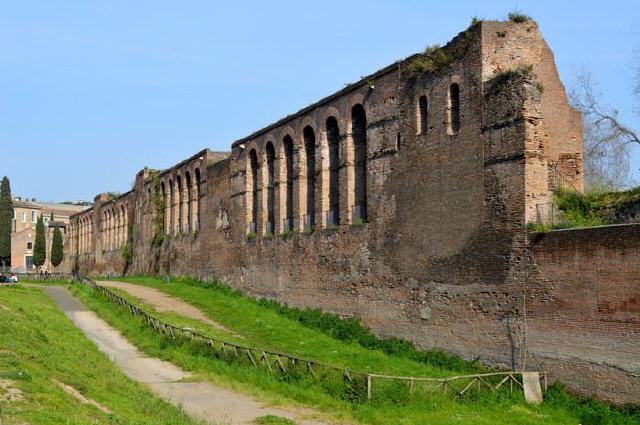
(23, 231)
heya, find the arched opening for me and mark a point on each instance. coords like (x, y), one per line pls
(103, 230)
(172, 207)
(109, 222)
(359, 132)
(114, 228)
(271, 199)
(333, 140)
(189, 191)
(110, 219)
(454, 108)
(123, 225)
(107, 232)
(80, 236)
(163, 190)
(423, 115)
(83, 230)
(120, 226)
(288, 155)
(310, 157)
(253, 157)
(197, 195)
(180, 202)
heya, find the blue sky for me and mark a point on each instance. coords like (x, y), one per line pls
(93, 91)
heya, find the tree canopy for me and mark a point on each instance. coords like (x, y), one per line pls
(56, 247)
(40, 246)
(6, 216)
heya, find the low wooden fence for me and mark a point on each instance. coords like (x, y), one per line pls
(42, 277)
(358, 386)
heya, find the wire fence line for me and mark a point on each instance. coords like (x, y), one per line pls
(356, 386)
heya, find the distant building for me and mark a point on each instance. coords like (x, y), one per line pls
(23, 231)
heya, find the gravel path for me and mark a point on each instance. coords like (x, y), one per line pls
(200, 400)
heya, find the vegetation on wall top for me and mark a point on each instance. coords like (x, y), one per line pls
(518, 17)
(588, 209)
(434, 59)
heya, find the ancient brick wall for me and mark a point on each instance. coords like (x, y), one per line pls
(401, 200)
(586, 328)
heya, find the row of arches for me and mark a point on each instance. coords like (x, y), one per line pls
(181, 203)
(81, 231)
(115, 226)
(319, 180)
(453, 112)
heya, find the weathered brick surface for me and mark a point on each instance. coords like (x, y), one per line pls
(443, 258)
(590, 314)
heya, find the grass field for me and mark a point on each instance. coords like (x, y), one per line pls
(261, 325)
(40, 349)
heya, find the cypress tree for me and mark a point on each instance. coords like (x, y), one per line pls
(56, 247)
(6, 216)
(40, 246)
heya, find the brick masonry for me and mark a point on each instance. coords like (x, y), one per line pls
(440, 255)
(593, 310)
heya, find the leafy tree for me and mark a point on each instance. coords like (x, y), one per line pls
(56, 247)
(6, 216)
(40, 246)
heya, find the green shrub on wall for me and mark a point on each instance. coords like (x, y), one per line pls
(588, 209)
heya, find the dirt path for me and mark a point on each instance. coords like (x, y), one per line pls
(166, 303)
(200, 400)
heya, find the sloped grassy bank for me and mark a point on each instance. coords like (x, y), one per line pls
(308, 331)
(40, 349)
